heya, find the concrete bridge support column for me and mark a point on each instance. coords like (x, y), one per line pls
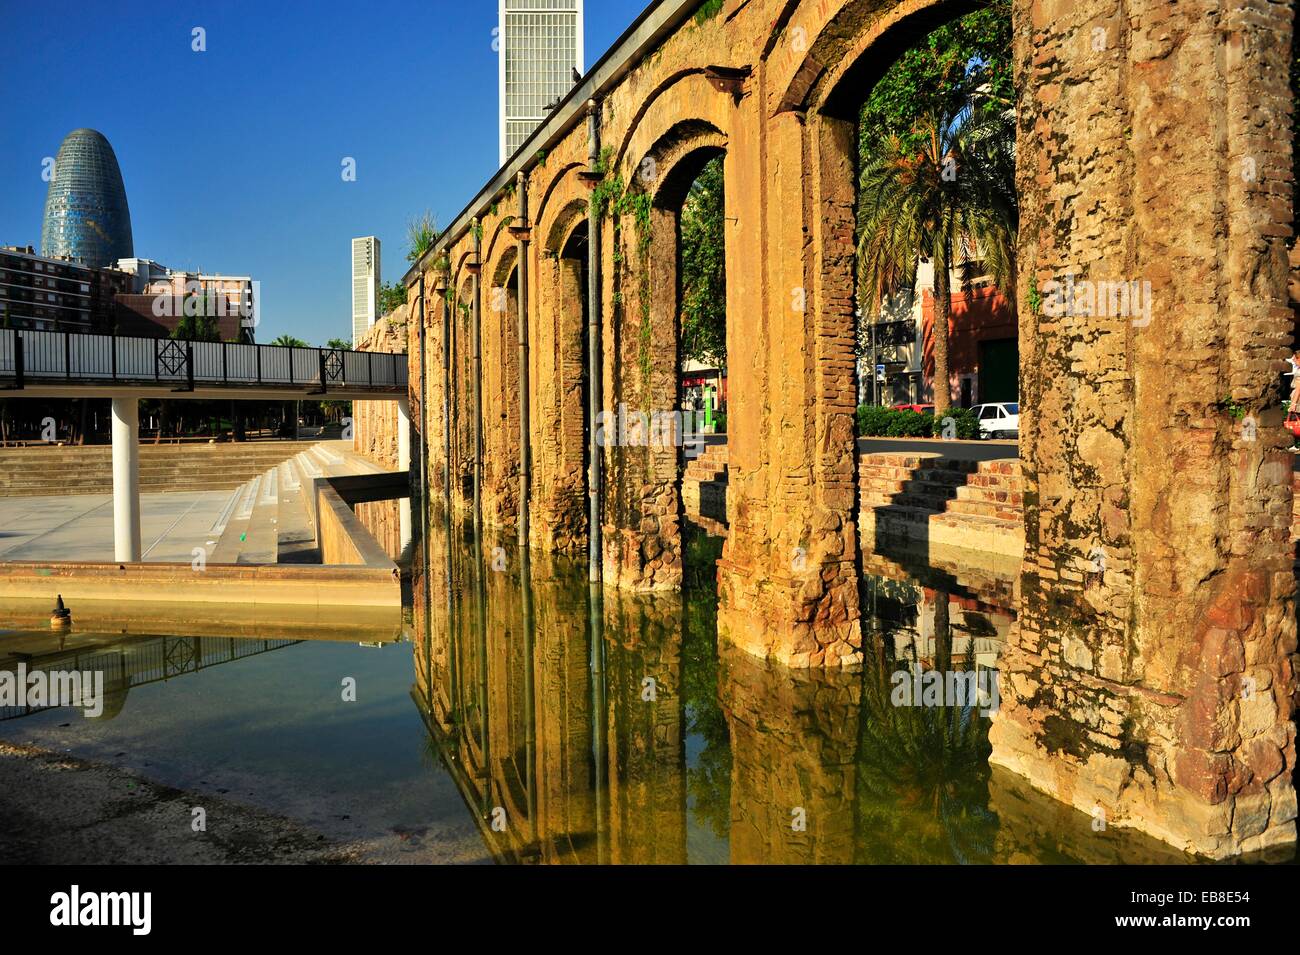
(1150, 679)
(126, 480)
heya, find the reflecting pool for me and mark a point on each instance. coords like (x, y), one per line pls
(517, 715)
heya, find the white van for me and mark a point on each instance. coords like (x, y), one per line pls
(1000, 419)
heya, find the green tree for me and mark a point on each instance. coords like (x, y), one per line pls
(391, 295)
(343, 343)
(950, 199)
(197, 328)
(965, 60)
(703, 268)
(290, 341)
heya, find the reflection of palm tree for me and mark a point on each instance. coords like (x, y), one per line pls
(922, 771)
(708, 783)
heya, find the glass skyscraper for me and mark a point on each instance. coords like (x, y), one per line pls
(86, 217)
(541, 47)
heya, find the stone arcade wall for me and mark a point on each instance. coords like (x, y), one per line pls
(1152, 675)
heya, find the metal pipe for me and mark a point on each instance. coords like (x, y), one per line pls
(446, 391)
(477, 364)
(594, 398)
(524, 409)
(424, 416)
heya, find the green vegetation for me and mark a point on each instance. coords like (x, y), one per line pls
(958, 62)
(391, 296)
(421, 234)
(704, 269)
(937, 180)
(707, 11)
(877, 422)
(197, 328)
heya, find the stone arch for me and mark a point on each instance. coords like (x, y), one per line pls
(499, 330)
(643, 454)
(461, 398)
(826, 60)
(685, 99)
(558, 359)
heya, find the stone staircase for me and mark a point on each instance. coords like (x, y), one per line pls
(268, 519)
(41, 471)
(977, 505)
(704, 490)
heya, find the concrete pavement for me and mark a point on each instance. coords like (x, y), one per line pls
(80, 527)
(955, 450)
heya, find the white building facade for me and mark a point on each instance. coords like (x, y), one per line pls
(365, 286)
(540, 46)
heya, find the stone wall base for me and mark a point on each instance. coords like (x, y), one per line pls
(1116, 793)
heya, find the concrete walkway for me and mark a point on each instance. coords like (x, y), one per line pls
(264, 521)
(80, 527)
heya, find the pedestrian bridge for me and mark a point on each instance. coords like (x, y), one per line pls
(42, 364)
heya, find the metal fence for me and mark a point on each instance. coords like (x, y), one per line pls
(148, 660)
(78, 357)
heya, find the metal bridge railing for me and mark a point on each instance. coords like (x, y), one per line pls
(87, 358)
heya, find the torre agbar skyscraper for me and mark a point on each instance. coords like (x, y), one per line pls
(86, 216)
(541, 49)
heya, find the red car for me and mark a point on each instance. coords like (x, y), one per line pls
(919, 409)
(1293, 422)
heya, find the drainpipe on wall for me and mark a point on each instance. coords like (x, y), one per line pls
(594, 397)
(424, 417)
(442, 287)
(477, 364)
(522, 231)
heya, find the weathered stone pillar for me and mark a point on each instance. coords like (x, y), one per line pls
(1150, 680)
(788, 582)
(642, 539)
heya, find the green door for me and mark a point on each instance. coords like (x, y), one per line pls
(1000, 370)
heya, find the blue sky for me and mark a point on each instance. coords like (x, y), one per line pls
(232, 157)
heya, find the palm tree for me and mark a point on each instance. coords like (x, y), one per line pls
(954, 193)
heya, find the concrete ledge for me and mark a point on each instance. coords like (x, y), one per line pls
(97, 622)
(341, 538)
(246, 585)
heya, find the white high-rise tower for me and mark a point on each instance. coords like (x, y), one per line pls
(540, 44)
(365, 286)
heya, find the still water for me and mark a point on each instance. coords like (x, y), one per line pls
(517, 716)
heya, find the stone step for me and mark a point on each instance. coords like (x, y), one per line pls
(918, 460)
(992, 495)
(985, 509)
(995, 525)
(260, 545)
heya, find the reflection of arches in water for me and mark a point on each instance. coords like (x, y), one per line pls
(597, 774)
